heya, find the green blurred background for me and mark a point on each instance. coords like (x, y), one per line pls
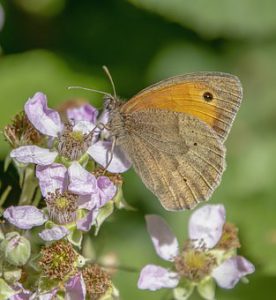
(48, 45)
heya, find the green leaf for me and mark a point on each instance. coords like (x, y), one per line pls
(218, 18)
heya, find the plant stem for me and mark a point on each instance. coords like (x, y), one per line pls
(29, 187)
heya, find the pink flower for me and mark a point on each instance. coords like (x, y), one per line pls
(70, 141)
(205, 231)
(25, 217)
(76, 184)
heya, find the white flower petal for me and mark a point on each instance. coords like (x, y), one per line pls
(164, 241)
(34, 154)
(206, 224)
(154, 278)
(85, 112)
(54, 234)
(81, 181)
(51, 178)
(84, 127)
(75, 288)
(25, 216)
(86, 223)
(101, 151)
(44, 119)
(228, 274)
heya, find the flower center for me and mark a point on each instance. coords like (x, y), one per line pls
(77, 136)
(21, 132)
(194, 264)
(97, 281)
(229, 238)
(73, 144)
(58, 260)
(62, 207)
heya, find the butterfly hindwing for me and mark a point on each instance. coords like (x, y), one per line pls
(178, 157)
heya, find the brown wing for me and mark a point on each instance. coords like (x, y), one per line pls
(178, 157)
(212, 97)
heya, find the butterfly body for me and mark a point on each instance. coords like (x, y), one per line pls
(174, 131)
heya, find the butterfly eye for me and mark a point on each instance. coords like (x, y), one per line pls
(109, 103)
(207, 96)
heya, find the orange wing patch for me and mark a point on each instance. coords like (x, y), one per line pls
(214, 98)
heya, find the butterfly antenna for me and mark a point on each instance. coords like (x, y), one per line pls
(88, 89)
(110, 79)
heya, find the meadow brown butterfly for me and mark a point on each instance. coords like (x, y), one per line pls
(174, 131)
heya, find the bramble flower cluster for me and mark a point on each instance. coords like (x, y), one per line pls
(209, 256)
(69, 187)
(64, 158)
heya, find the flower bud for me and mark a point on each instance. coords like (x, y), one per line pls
(16, 249)
(12, 274)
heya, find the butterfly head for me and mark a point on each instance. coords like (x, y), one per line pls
(111, 103)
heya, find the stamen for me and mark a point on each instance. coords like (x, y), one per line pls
(194, 264)
(97, 281)
(62, 206)
(58, 261)
(21, 132)
(229, 238)
(117, 179)
(73, 144)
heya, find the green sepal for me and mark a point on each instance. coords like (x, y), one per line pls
(6, 292)
(183, 291)
(84, 159)
(75, 238)
(111, 294)
(63, 160)
(207, 288)
(103, 214)
(90, 166)
(11, 273)
(120, 201)
(46, 284)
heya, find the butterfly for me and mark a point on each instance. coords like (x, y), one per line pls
(174, 131)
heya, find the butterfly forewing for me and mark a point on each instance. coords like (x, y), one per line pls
(212, 97)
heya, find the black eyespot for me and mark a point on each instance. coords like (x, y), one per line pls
(195, 144)
(185, 179)
(207, 96)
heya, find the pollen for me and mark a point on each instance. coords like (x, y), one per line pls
(21, 132)
(58, 261)
(194, 264)
(97, 281)
(77, 136)
(62, 206)
(229, 238)
(73, 144)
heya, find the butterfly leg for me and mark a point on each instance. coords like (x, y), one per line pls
(111, 154)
